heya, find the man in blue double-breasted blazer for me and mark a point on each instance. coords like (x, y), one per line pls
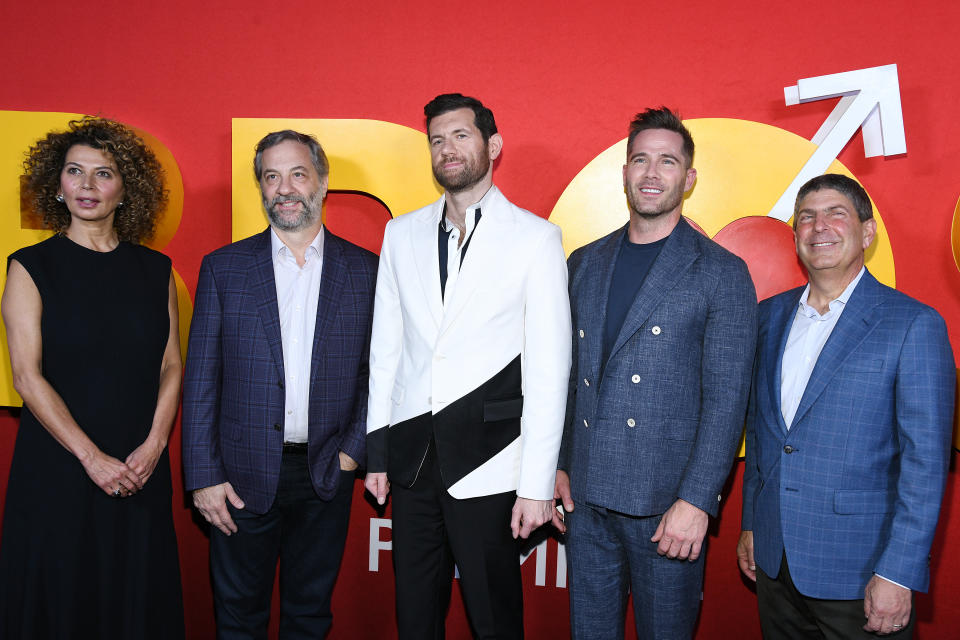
(274, 400)
(664, 327)
(848, 436)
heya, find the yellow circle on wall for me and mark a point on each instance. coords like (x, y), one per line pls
(742, 169)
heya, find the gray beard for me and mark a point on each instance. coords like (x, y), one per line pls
(312, 207)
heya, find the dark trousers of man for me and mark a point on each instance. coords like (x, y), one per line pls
(609, 555)
(787, 614)
(306, 533)
(431, 531)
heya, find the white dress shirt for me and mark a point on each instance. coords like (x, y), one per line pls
(808, 334)
(298, 293)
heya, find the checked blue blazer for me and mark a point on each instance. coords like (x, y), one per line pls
(854, 487)
(233, 394)
(661, 419)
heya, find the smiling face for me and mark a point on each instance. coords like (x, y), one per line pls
(90, 184)
(461, 158)
(657, 174)
(292, 190)
(830, 236)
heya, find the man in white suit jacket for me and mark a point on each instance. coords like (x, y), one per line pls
(469, 366)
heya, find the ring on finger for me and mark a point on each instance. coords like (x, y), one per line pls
(116, 493)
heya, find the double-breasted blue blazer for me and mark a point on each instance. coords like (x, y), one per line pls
(233, 395)
(664, 418)
(854, 486)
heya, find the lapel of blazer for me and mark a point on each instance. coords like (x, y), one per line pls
(263, 286)
(332, 279)
(597, 271)
(495, 229)
(678, 253)
(426, 256)
(855, 323)
(780, 322)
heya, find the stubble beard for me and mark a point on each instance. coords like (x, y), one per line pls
(472, 172)
(666, 206)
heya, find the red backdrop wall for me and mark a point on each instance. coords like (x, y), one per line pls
(563, 80)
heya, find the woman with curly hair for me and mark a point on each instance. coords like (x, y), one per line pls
(89, 549)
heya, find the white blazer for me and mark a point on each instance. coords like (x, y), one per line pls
(444, 370)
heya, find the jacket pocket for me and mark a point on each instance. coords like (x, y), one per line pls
(502, 409)
(847, 501)
(868, 365)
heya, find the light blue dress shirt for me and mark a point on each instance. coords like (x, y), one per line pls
(808, 334)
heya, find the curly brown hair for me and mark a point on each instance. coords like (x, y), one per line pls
(144, 196)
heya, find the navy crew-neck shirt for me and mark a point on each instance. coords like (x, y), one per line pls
(633, 263)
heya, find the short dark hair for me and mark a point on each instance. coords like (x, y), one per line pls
(661, 118)
(317, 155)
(841, 184)
(446, 102)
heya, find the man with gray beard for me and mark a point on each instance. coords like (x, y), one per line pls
(274, 402)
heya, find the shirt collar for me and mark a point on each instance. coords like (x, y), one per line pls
(842, 299)
(483, 205)
(280, 250)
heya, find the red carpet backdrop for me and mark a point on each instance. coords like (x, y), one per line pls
(757, 81)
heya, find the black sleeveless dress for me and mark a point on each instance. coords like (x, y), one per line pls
(75, 562)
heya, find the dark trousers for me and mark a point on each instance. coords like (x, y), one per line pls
(787, 614)
(431, 531)
(609, 555)
(306, 533)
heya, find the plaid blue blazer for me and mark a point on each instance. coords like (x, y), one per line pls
(854, 487)
(233, 394)
(662, 418)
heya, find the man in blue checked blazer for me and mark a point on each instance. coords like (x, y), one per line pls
(848, 436)
(664, 327)
(274, 402)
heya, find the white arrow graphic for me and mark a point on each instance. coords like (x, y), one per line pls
(869, 98)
